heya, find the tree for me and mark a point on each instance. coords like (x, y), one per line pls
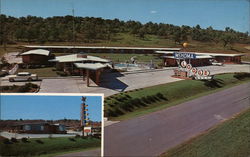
(142, 32)
(227, 38)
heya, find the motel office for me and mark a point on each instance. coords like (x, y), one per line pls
(201, 59)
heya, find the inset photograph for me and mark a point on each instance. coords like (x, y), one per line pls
(51, 125)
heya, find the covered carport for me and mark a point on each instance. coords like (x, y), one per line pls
(97, 68)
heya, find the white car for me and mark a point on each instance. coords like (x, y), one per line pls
(217, 63)
(23, 76)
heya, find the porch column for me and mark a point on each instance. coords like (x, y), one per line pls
(82, 74)
(97, 76)
(87, 71)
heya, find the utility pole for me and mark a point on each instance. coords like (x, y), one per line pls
(74, 38)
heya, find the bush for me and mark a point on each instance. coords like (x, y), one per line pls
(39, 141)
(25, 140)
(145, 100)
(14, 140)
(5, 88)
(24, 88)
(61, 73)
(160, 96)
(72, 139)
(7, 141)
(77, 136)
(31, 85)
(241, 76)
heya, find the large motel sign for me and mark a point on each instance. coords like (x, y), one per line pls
(198, 74)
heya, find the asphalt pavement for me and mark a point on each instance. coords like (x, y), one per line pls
(153, 134)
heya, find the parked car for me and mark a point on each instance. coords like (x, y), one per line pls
(23, 76)
(217, 63)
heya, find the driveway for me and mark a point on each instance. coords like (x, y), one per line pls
(153, 134)
(60, 85)
(112, 83)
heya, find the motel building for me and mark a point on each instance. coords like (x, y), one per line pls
(201, 59)
(82, 65)
(38, 128)
(36, 57)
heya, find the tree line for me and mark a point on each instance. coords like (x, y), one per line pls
(90, 29)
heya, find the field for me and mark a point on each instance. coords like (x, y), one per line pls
(126, 39)
(230, 139)
(43, 146)
(142, 101)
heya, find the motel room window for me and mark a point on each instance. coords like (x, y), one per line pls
(61, 128)
(27, 127)
(42, 127)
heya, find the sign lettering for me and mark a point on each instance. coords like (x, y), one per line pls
(184, 55)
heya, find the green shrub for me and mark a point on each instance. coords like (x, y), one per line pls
(39, 141)
(77, 136)
(61, 73)
(72, 139)
(241, 76)
(7, 141)
(14, 140)
(25, 140)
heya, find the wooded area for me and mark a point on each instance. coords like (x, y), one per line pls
(90, 30)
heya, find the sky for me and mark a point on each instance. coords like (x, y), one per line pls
(216, 13)
(48, 107)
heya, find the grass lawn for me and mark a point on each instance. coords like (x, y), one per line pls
(229, 139)
(126, 39)
(66, 152)
(41, 72)
(27, 88)
(142, 101)
(47, 146)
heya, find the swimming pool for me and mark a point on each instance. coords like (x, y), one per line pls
(124, 65)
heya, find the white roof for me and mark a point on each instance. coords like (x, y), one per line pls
(36, 52)
(104, 47)
(75, 58)
(220, 54)
(204, 54)
(90, 66)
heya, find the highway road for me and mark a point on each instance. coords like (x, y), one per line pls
(153, 134)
